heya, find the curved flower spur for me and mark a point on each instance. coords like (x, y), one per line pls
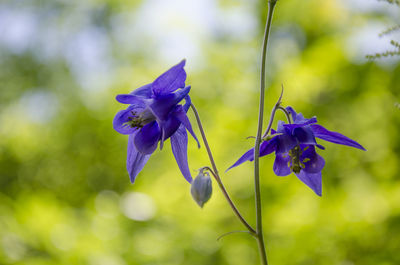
(294, 145)
(154, 115)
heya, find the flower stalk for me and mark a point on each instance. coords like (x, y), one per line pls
(214, 172)
(276, 107)
(289, 120)
(259, 229)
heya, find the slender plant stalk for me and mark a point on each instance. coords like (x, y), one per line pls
(286, 114)
(259, 229)
(215, 173)
(274, 109)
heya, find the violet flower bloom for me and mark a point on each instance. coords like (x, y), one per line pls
(154, 115)
(294, 145)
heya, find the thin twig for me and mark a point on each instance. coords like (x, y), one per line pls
(232, 232)
(286, 114)
(214, 172)
(271, 119)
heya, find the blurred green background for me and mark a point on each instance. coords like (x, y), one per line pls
(65, 195)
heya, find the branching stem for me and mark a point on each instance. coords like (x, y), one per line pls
(215, 174)
(274, 109)
(259, 229)
(286, 114)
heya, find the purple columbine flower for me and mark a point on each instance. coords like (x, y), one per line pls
(294, 145)
(154, 115)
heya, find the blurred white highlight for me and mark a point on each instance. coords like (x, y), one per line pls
(138, 206)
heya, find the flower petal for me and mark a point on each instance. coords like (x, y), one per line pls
(121, 119)
(180, 114)
(130, 99)
(146, 138)
(168, 128)
(188, 102)
(266, 148)
(281, 128)
(163, 105)
(304, 135)
(281, 165)
(143, 91)
(170, 81)
(300, 122)
(285, 142)
(292, 112)
(248, 156)
(172, 123)
(298, 118)
(179, 141)
(334, 137)
(313, 181)
(314, 162)
(320, 147)
(135, 160)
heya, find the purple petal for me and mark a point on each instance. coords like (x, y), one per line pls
(300, 122)
(284, 140)
(130, 99)
(181, 94)
(179, 141)
(135, 160)
(281, 128)
(163, 105)
(292, 112)
(168, 128)
(334, 137)
(304, 135)
(170, 81)
(143, 91)
(146, 138)
(315, 163)
(298, 119)
(121, 119)
(248, 156)
(281, 165)
(180, 114)
(313, 181)
(188, 102)
(266, 148)
(285, 143)
(171, 124)
(320, 146)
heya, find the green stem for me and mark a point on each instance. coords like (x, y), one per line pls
(274, 109)
(259, 229)
(286, 113)
(214, 172)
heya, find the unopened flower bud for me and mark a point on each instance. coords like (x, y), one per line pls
(201, 188)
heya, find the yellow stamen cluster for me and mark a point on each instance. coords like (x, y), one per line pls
(295, 163)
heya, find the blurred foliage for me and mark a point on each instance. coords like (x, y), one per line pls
(394, 43)
(65, 196)
(397, 2)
